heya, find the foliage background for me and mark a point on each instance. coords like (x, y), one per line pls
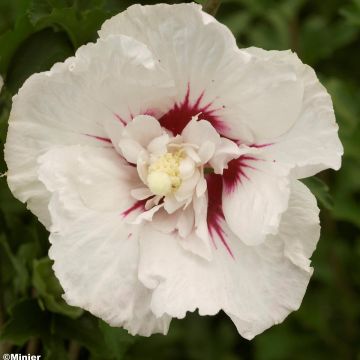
(34, 34)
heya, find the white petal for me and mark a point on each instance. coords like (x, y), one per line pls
(206, 151)
(199, 53)
(188, 226)
(257, 288)
(141, 193)
(165, 222)
(137, 135)
(198, 241)
(201, 187)
(171, 204)
(142, 166)
(192, 154)
(71, 103)
(225, 151)
(143, 129)
(95, 253)
(99, 176)
(312, 144)
(256, 193)
(273, 106)
(146, 215)
(130, 149)
(186, 168)
(186, 222)
(158, 146)
(187, 187)
(114, 130)
(200, 132)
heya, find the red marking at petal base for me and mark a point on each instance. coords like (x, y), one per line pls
(181, 113)
(260, 146)
(235, 172)
(215, 214)
(120, 119)
(100, 138)
(138, 205)
(150, 112)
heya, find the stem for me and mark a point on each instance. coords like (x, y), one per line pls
(32, 346)
(294, 35)
(212, 6)
(5, 347)
(74, 350)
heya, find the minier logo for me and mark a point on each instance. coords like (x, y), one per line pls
(21, 357)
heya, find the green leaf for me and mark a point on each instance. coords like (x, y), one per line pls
(55, 349)
(118, 340)
(85, 331)
(320, 190)
(347, 190)
(319, 39)
(352, 12)
(12, 39)
(21, 279)
(49, 289)
(80, 20)
(27, 321)
(37, 54)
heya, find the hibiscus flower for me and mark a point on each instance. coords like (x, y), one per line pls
(165, 162)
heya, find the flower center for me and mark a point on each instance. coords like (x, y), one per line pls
(164, 174)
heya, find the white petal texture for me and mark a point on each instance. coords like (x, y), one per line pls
(72, 104)
(312, 144)
(165, 161)
(257, 288)
(95, 253)
(256, 193)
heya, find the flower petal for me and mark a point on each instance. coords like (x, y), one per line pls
(195, 50)
(71, 104)
(257, 288)
(256, 193)
(312, 144)
(143, 129)
(187, 226)
(95, 253)
(199, 132)
(241, 96)
(102, 180)
(226, 150)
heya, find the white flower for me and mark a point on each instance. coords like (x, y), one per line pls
(165, 163)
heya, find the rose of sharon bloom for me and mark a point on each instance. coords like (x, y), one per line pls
(165, 163)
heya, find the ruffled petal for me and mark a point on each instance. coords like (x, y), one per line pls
(109, 81)
(241, 96)
(255, 194)
(198, 132)
(99, 176)
(95, 252)
(199, 54)
(312, 144)
(257, 288)
(225, 151)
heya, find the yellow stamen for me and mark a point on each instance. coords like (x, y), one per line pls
(164, 175)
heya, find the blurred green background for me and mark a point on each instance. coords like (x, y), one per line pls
(34, 34)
